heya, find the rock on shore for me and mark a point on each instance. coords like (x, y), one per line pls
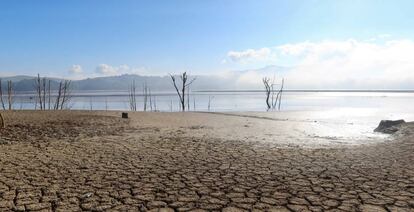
(389, 126)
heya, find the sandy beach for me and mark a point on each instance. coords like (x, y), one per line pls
(96, 161)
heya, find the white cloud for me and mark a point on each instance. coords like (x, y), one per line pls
(76, 69)
(349, 64)
(250, 55)
(108, 70)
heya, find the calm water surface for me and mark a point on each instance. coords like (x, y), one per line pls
(393, 103)
(341, 116)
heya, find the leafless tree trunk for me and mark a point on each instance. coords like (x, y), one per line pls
(44, 93)
(272, 102)
(185, 82)
(57, 102)
(66, 93)
(280, 93)
(38, 86)
(49, 95)
(209, 102)
(155, 103)
(10, 94)
(63, 95)
(133, 97)
(150, 99)
(1, 96)
(268, 90)
(145, 94)
(62, 102)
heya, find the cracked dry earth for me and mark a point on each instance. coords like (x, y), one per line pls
(80, 161)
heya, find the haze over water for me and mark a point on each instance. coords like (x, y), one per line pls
(341, 116)
(393, 103)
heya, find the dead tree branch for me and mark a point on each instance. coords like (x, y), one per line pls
(280, 93)
(59, 94)
(145, 94)
(38, 86)
(10, 94)
(185, 83)
(271, 101)
(268, 90)
(133, 97)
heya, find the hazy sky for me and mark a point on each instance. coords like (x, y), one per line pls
(334, 41)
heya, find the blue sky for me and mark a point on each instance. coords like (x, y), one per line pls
(158, 37)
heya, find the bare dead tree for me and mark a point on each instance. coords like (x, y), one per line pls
(133, 97)
(58, 97)
(44, 93)
(155, 103)
(150, 99)
(62, 101)
(274, 100)
(1, 96)
(66, 93)
(271, 101)
(10, 94)
(145, 94)
(185, 83)
(38, 86)
(280, 93)
(209, 102)
(268, 91)
(49, 94)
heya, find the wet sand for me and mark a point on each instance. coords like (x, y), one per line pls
(96, 161)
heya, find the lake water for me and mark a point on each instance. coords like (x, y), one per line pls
(345, 116)
(394, 102)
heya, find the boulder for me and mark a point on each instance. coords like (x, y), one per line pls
(389, 126)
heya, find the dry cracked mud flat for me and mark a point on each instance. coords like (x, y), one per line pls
(83, 161)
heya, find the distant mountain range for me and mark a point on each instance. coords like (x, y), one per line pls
(249, 79)
(119, 83)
